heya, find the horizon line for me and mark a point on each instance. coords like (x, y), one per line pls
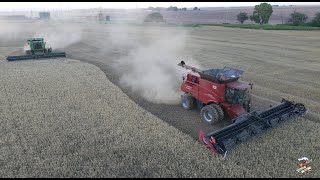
(147, 8)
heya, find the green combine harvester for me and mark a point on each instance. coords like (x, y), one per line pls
(35, 48)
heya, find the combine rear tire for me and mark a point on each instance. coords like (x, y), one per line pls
(219, 111)
(187, 101)
(209, 114)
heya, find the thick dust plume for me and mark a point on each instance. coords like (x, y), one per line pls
(151, 68)
(61, 35)
(13, 36)
(56, 35)
(10, 31)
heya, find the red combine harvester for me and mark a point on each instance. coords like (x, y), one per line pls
(215, 91)
(218, 91)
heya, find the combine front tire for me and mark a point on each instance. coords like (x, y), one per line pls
(209, 114)
(219, 111)
(187, 101)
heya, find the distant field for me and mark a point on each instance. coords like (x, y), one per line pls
(207, 15)
(258, 26)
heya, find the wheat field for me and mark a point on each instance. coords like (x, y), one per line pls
(67, 118)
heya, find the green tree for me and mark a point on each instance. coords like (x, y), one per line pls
(297, 19)
(172, 8)
(154, 17)
(195, 8)
(262, 13)
(242, 16)
(316, 20)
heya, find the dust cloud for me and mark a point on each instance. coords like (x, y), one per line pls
(151, 66)
(56, 35)
(60, 36)
(11, 31)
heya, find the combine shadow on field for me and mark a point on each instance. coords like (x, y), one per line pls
(188, 122)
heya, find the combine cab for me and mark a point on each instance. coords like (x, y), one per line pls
(35, 48)
(218, 92)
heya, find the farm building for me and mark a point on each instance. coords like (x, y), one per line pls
(44, 15)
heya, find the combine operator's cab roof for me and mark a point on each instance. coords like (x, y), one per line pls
(225, 75)
(35, 39)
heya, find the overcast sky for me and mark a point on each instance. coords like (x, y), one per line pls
(23, 6)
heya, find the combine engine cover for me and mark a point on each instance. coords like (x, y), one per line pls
(227, 74)
(250, 125)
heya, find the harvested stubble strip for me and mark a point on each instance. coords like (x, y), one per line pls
(64, 118)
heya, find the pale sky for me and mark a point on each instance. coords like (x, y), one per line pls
(27, 6)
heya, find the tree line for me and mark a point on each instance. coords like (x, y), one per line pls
(262, 14)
